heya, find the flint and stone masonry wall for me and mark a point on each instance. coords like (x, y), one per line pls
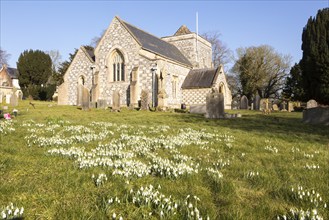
(79, 67)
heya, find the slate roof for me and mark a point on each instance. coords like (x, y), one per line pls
(156, 45)
(200, 78)
(90, 53)
(12, 72)
(182, 31)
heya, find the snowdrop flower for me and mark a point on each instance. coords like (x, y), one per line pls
(3, 214)
(114, 215)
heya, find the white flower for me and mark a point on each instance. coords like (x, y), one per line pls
(3, 215)
(21, 211)
(114, 216)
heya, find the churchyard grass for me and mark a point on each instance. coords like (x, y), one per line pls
(58, 162)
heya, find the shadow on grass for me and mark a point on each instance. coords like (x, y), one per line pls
(285, 124)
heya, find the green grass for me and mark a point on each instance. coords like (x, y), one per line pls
(54, 187)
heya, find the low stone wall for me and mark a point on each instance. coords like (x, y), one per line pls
(318, 115)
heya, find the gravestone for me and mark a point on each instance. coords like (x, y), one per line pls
(198, 109)
(144, 100)
(80, 95)
(85, 101)
(252, 106)
(244, 102)
(101, 103)
(257, 102)
(116, 101)
(266, 109)
(8, 99)
(1, 98)
(13, 100)
(215, 105)
(311, 104)
(317, 115)
(283, 106)
(275, 107)
(290, 107)
(134, 88)
(162, 100)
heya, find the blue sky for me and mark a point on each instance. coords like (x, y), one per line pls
(66, 25)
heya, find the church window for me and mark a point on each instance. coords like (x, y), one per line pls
(118, 67)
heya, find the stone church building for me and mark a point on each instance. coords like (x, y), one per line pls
(128, 60)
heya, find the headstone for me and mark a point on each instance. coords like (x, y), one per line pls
(283, 106)
(80, 95)
(144, 100)
(290, 107)
(101, 103)
(162, 100)
(244, 102)
(257, 102)
(252, 106)
(14, 100)
(215, 105)
(311, 104)
(8, 99)
(85, 102)
(134, 88)
(116, 101)
(1, 98)
(317, 115)
(275, 107)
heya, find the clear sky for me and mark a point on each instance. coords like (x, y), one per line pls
(66, 25)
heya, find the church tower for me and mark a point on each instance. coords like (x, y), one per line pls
(195, 48)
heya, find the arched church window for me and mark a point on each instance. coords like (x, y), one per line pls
(118, 70)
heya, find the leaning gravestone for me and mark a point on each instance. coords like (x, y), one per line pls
(215, 105)
(311, 104)
(85, 101)
(244, 102)
(116, 101)
(13, 100)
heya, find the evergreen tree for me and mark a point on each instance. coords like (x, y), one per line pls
(315, 61)
(293, 89)
(35, 68)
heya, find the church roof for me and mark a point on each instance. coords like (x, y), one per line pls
(156, 45)
(200, 78)
(90, 53)
(12, 72)
(182, 31)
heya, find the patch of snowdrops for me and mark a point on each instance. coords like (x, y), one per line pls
(11, 212)
(159, 204)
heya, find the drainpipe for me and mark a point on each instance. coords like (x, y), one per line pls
(153, 69)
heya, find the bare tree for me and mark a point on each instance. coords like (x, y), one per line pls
(4, 57)
(221, 54)
(261, 70)
(56, 58)
(95, 40)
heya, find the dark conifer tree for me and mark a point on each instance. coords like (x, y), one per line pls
(315, 61)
